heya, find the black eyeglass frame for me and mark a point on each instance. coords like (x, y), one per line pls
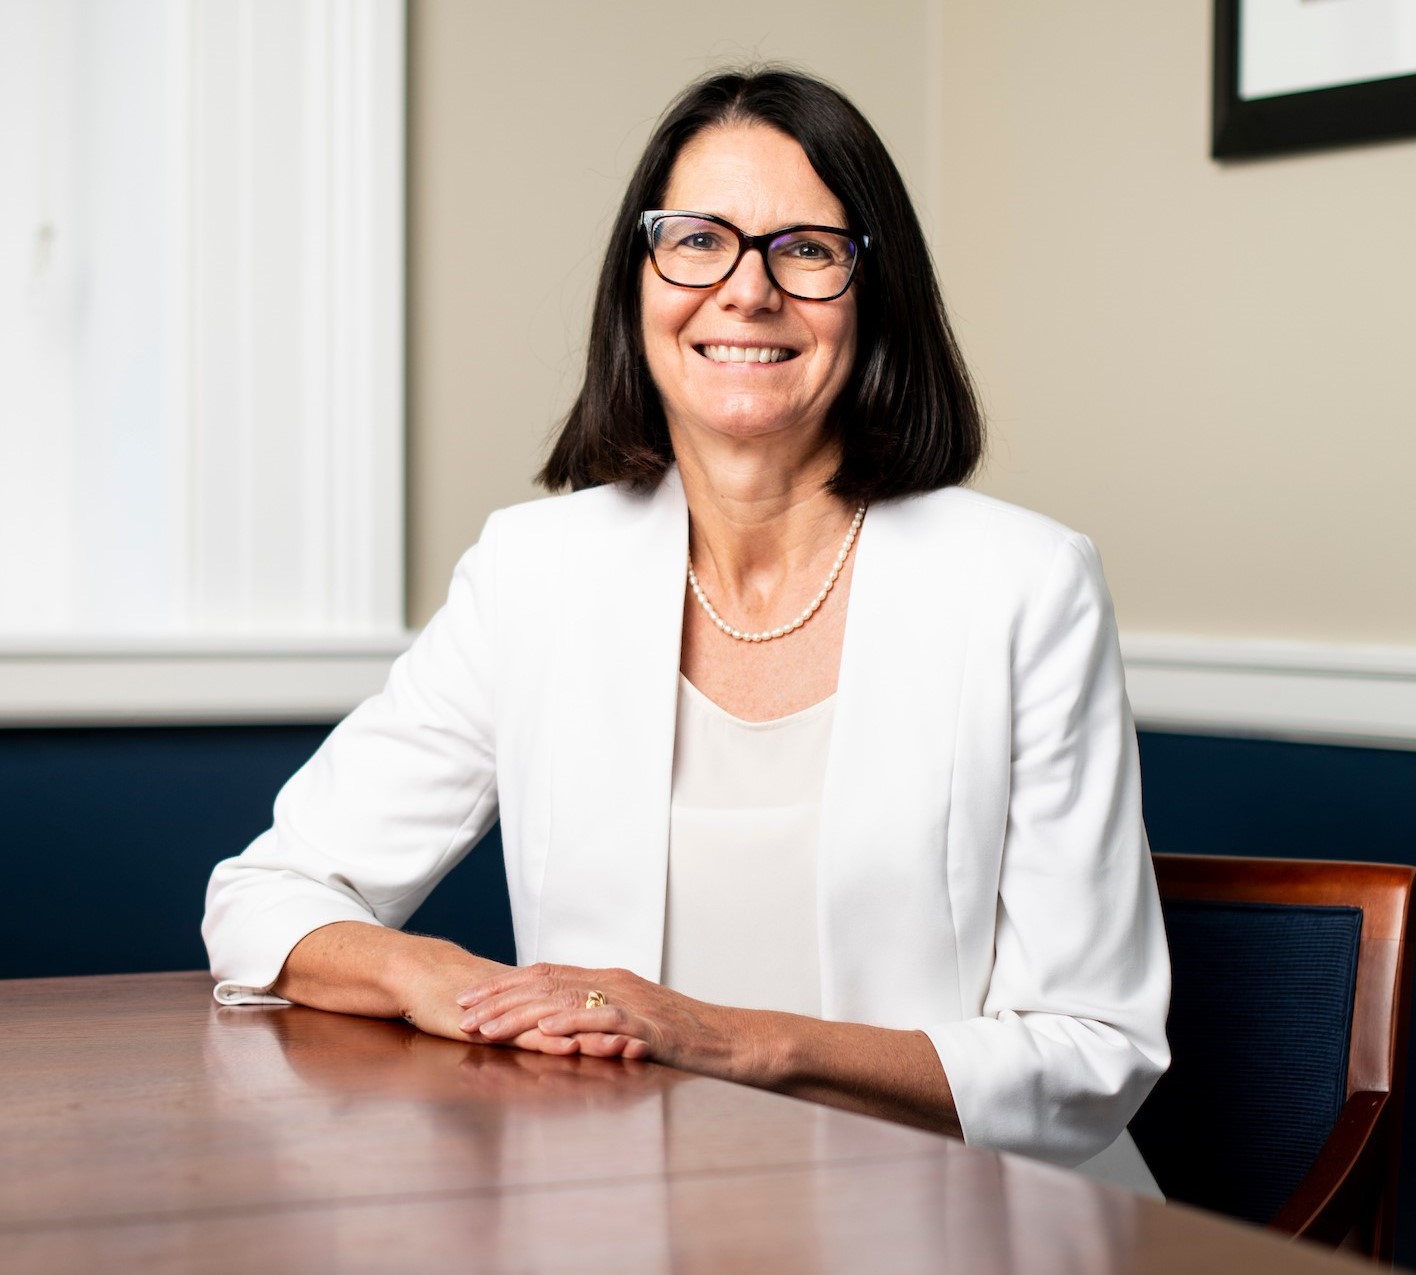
(746, 243)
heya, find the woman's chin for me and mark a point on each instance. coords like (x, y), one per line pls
(753, 427)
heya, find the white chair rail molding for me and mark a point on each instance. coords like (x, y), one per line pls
(1355, 695)
(1344, 694)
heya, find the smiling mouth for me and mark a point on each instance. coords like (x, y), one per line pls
(746, 353)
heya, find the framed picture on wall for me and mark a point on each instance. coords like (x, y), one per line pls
(1292, 75)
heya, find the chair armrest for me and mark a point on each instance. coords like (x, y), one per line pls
(1323, 1206)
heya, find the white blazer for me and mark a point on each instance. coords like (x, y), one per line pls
(983, 872)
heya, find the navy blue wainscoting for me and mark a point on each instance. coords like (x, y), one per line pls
(1209, 795)
(109, 836)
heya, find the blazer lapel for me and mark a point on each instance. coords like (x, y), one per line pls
(886, 933)
(614, 704)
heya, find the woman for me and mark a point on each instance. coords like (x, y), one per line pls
(895, 862)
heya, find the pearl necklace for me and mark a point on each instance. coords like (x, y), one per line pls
(768, 634)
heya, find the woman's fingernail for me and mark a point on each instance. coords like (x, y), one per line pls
(466, 999)
(489, 1028)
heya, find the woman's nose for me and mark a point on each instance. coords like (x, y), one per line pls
(750, 288)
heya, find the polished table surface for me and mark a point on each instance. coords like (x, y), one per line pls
(143, 1127)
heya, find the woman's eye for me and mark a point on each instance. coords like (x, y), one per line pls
(807, 250)
(700, 241)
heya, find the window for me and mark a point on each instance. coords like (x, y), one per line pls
(201, 331)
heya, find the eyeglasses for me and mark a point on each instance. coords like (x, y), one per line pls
(698, 250)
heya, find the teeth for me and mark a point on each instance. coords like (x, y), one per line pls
(745, 353)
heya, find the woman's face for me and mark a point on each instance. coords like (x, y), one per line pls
(760, 180)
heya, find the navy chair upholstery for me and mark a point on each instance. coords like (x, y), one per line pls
(1260, 1024)
(1287, 1026)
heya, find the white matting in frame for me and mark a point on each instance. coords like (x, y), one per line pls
(1294, 46)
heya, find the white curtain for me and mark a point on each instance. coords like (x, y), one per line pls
(201, 319)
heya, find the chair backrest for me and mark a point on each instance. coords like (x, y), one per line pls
(1287, 1000)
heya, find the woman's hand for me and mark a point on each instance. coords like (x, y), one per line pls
(428, 999)
(544, 1007)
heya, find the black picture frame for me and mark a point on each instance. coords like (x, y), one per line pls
(1377, 110)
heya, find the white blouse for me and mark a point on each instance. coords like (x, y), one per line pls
(740, 921)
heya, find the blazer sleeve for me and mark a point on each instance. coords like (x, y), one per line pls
(1072, 1033)
(384, 809)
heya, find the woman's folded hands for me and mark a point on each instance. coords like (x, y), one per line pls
(607, 1013)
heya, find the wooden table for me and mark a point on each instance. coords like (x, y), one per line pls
(142, 1127)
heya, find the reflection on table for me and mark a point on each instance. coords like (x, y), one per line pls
(144, 1127)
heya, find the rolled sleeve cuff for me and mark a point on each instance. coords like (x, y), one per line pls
(1015, 1090)
(251, 962)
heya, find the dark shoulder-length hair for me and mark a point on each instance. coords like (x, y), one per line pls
(908, 418)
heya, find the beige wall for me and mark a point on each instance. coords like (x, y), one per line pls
(1199, 365)
(1207, 367)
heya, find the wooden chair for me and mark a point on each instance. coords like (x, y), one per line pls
(1288, 1027)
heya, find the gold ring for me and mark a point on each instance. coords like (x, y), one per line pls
(595, 1000)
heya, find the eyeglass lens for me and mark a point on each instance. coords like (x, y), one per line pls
(695, 253)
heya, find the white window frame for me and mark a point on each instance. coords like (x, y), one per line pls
(328, 284)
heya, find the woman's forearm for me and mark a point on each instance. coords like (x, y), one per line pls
(874, 1070)
(354, 968)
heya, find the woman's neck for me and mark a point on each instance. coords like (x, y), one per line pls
(757, 524)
